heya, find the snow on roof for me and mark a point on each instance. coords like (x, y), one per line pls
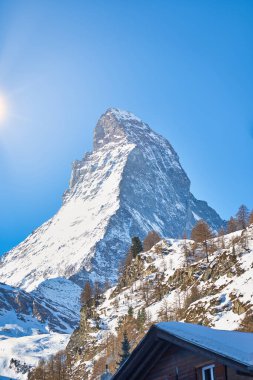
(233, 344)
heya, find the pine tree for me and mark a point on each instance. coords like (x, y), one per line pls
(125, 350)
(130, 311)
(136, 246)
(141, 319)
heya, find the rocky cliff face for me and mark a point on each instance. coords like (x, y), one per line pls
(35, 325)
(130, 184)
(23, 313)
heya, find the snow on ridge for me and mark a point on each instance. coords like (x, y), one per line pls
(61, 292)
(196, 217)
(66, 242)
(123, 115)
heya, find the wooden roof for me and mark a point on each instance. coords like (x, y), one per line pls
(156, 342)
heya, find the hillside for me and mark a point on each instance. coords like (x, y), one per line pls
(172, 281)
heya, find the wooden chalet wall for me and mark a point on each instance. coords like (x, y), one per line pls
(189, 367)
(232, 375)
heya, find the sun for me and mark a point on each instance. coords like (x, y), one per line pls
(3, 108)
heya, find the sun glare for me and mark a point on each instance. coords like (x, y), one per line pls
(3, 109)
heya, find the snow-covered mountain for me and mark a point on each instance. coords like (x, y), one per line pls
(41, 311)
(35, 325)
(18, 355)
(130, 184)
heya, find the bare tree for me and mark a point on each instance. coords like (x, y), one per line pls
(221, 232)
(242, 217)
(251, 218)
(165, 313)
(201, 233)
(150, 240)
(232, 225)
(145, 292)
(86, 295)
(159, 287)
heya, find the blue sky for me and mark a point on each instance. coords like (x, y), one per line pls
(184, 67)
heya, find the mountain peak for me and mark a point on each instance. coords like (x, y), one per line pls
(122, 115)
(115, 125)
(130, 184)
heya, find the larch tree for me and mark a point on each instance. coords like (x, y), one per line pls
(201, 233)
(124, 267)
(97, 292)
(86, 295)
(251, 218)
(165, 313)
(232, 225)
(150, 240)
(221, 232)
(242, 217)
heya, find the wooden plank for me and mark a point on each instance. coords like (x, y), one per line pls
(204, 351)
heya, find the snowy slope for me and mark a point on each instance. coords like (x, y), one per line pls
(131, 183)
(17, 355)
(171, 270)
(35, 325)
(16, 313)
(23, 313)
(221, 282)
(66, 243)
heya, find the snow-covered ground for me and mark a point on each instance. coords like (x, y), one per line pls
(225, 286)
(27, 350)
(35, 325)
(131, 296)
(239, 285)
